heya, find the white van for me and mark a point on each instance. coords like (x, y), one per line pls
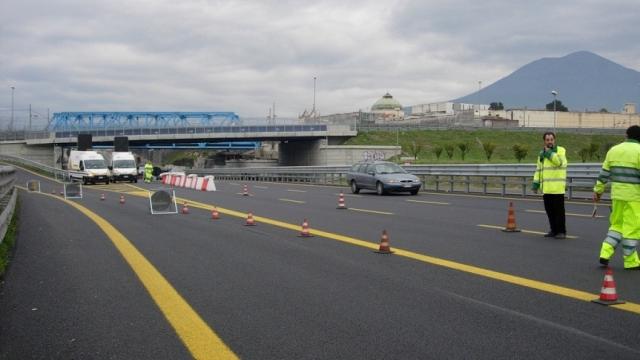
(88, 167)
(123, 167)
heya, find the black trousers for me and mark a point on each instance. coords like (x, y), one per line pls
(554, 206)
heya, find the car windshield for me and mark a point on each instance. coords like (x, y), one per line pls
(94, 164)
(124, 164)
(389, 169)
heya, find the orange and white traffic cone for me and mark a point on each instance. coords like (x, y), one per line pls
(185, 208)
(214, 214)
(341, 205)
(608, 295)
(121, 199)
(250, 221)
(102, 197)
(384, 244)
(305, 229)
(511, 220)
(245, 190)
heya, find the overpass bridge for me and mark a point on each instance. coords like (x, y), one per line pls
(300, 144)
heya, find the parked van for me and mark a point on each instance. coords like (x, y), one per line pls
(88, 167)
(123, 167)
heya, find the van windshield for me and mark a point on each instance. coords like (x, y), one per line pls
(389, 169)
(94, 164)
(124, 164)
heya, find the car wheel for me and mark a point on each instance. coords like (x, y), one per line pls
(380, 188)
(84, 181)
(354, 187)
(414, 192)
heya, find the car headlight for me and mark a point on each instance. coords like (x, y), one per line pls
(392, 181)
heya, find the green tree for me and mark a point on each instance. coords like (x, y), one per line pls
(604, 110)
(464, 149)
(584, 154)
(449, 149)
(519, 151)
(415, 148)
(488, 148)
(496, 106)
(594, 150)
(437, 150)
(559, 106)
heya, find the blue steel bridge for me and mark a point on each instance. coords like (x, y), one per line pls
(70, 124)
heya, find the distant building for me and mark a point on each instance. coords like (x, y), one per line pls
(629, 108)
(388, 108)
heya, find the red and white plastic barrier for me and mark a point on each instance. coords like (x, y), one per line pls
(192, 181)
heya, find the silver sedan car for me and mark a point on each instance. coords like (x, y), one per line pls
(383, 177)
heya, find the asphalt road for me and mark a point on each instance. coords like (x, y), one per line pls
(269, 294)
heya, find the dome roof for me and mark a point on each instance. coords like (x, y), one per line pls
(387, 102)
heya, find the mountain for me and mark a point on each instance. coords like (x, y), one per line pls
(583, 80)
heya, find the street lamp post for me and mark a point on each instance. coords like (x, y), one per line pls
(314, 98)
(11, 123)
(555, 94)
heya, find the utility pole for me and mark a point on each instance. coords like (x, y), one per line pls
(29, 117)
(11, 123)
(314, 98)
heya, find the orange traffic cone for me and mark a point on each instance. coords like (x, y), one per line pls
(250, 221)
(121, 199)
(608, 295)
(102, 197)
(185, 208)
(245, 190)
(341, 205)
(214, 214)
(511, 220)
(305, 229)
(384, 244)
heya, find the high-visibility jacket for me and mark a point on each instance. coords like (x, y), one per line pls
(621, 167)
(551, 171)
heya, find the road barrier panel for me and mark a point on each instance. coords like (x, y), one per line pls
(33, 185)
(162, 202)
(72, 190)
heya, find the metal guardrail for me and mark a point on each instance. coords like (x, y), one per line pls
(504, 179)
(8, 195)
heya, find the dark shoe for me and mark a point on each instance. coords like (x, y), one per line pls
(604, 262)
(561, 236)
(550, 234)
(633, 268)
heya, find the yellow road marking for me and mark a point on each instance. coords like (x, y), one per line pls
(300, 191)
(524, 231)
(197, 336)
(371, 211)
(293, 201)
(508, 278)
(568, 214)
(429, 202)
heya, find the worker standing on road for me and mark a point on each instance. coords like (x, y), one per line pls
(148, 171)
(551, 179)
(621, 167)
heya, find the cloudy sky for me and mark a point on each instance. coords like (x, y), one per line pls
(205, 55)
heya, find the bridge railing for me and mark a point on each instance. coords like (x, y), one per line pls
(58, 174)
(8, 195)
(503, 179)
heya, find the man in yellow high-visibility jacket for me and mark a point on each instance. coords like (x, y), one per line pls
(621, 167)
(551, 179)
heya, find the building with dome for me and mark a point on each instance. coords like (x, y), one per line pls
(388, 108)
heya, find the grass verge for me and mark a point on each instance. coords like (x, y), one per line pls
(9, 240)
